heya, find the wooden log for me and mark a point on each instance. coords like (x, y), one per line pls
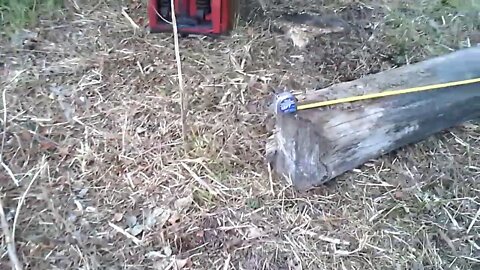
(314, 146)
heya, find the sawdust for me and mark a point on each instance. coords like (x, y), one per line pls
(94, 113)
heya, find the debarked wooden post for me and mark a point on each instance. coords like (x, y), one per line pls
(316, 145)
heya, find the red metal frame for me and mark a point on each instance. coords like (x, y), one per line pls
(217, 22)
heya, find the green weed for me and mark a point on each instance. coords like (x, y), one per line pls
(254, 203)
(22, 13)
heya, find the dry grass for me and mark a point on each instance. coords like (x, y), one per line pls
(93, 137)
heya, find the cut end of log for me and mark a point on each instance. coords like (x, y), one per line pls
(294, 152)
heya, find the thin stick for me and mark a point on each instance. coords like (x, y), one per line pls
(272, 191)
(128, 235)
(161, 17)
(199, 180)
(4, 101)
(226, 265)
(12, 252)
(180, 75)
(22, 199)
(9, 172)
(129, 19)
(475, 218)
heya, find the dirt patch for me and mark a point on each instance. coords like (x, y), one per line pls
(94, 127)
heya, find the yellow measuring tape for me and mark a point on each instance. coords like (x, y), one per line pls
(384, 94)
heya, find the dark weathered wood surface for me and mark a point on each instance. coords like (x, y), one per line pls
(316, 145)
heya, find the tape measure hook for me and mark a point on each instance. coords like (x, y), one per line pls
(285, 103)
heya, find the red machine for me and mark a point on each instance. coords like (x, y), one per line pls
(207, 17)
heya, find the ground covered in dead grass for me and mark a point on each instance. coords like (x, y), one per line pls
(95, 175)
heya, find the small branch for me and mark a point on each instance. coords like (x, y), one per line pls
(12, 252)
(180, 75)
